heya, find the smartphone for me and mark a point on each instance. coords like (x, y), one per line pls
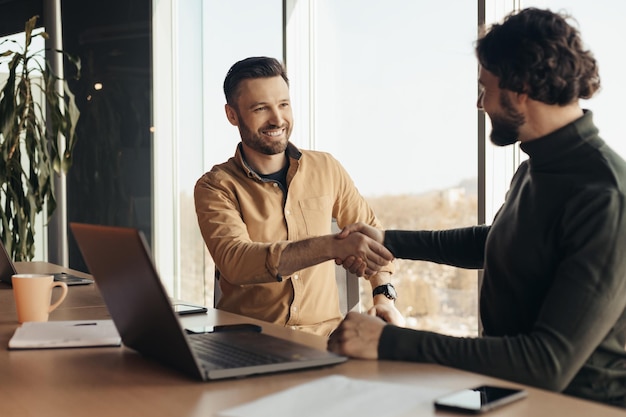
(70, 279)
(478, 400)
(186, 308)
(243, 327)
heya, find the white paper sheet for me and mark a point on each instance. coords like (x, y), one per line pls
(337, 396)
(68, 333)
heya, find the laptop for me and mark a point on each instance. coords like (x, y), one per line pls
(120, 261)
(7, 270)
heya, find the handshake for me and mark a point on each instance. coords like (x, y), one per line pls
(360, 249)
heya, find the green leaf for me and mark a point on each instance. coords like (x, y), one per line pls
(29, 147)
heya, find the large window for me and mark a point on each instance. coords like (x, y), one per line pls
(386, 88)
(15, 42)
(195, 44)
(394, 100)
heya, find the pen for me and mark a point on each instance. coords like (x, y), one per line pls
(86, 324)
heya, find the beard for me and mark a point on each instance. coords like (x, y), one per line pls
(260, 143)
(505, 126)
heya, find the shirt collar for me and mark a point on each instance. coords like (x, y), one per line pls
(292, 152)
(571, 136)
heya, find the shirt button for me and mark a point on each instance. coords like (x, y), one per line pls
(294, 308)
(275, 185)
(287, 212)
(294, 327)
(296, 277)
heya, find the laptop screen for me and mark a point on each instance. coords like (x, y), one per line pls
(7, 268)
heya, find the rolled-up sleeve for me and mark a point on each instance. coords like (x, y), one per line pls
(274, 253)
(240, 260)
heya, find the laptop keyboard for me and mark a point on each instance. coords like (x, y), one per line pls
(226, 355)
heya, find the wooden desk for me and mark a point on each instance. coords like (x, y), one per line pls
(118, 382)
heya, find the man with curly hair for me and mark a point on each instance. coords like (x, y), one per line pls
(553, 299)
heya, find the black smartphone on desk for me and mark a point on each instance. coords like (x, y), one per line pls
(187, 308)
(221, 328)
(70, 279)
(478, 400)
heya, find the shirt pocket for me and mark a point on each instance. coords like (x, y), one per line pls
(317, 215)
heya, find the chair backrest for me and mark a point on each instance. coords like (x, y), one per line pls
(347, 284)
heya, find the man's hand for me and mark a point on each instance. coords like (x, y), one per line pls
(367, 255)
(369, 231)
(355, 263)
(357, 336)
(352, 264)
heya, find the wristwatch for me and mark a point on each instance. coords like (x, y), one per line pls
(387, 289)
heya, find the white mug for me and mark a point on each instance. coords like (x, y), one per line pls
(33, 295)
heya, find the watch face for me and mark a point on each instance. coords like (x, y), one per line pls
(391, 292)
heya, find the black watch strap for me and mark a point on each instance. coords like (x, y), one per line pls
(388, 290)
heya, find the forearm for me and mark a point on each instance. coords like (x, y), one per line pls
(525, 359)
(382, 277)
(305, 253)
(308, 252)
(257, 268)
(462, 247)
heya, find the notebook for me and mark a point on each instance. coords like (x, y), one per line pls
(7, 270)
(65, 334)
(120, 261)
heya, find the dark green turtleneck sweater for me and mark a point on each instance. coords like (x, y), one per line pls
(554, 293)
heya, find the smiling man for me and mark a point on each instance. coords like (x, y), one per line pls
(266, 214)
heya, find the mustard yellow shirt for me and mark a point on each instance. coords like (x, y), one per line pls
(246, 222)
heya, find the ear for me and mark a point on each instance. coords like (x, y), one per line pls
(521, 99)
(231, 115)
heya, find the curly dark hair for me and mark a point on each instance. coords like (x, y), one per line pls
(253, 67)
(537, 52)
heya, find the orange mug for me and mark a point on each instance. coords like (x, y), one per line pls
(33, 295)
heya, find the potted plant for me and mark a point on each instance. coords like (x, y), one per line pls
(30, 129)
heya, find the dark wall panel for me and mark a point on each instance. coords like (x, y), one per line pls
(15, 13)
(110, 180)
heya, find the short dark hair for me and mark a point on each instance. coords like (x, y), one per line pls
(253, 67)
(539, 53)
